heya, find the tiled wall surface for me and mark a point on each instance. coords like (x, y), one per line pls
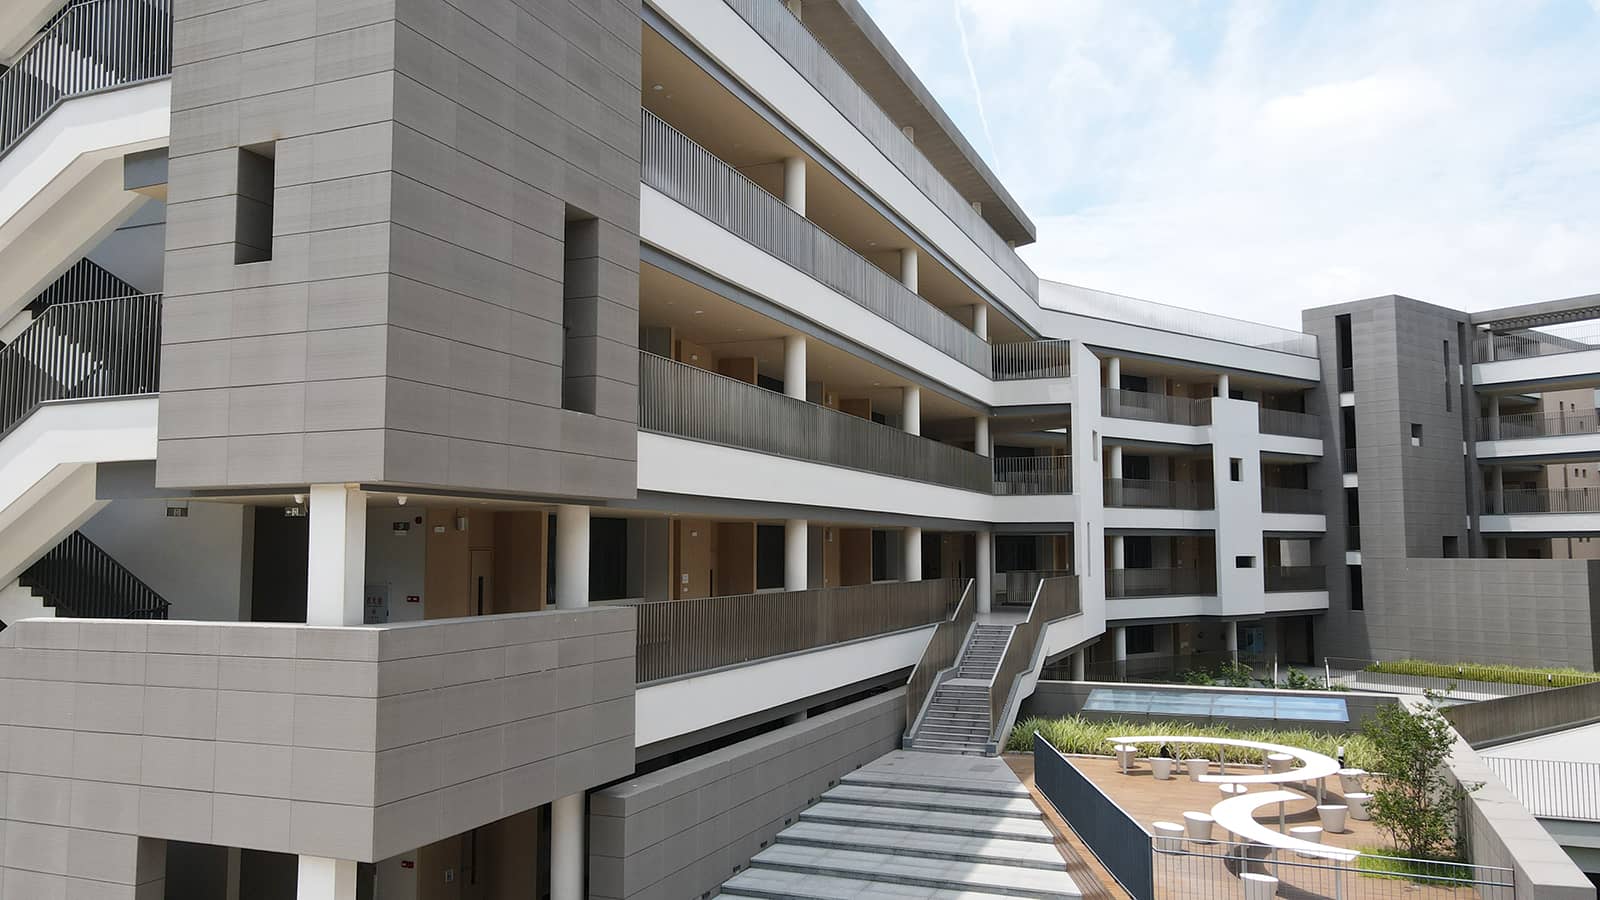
(415, 323)
(354, 743)
(681, 831)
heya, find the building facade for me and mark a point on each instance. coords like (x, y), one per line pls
(442, 440)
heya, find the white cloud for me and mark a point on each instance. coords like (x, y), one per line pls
(1257, 158)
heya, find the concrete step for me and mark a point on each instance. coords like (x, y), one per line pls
(995, 851)
(895, 868)
(936, 801)
(778, 884)
(1012, 791)
(957, 823)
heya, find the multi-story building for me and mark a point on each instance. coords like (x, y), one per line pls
(420, 417)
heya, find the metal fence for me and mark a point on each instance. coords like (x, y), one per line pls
(681, 637)
(1055, 599)
(1518, 501)
(1149, 407)
(1161, 582)
(1551, 788)
(1526, 344)
(1296, 578)
(1022, 360)
(1301, 501)
(1183, 869)
(77, 351)
(1014, 475)
(1113, 836)
(1146, 493)
(1501, 681)
(790, 38)
(944, 647)
(1529, 425)
(91, 47)
(693, 176)
(686, 401)
(1293, 424)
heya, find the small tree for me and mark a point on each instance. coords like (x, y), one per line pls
(1415, 802)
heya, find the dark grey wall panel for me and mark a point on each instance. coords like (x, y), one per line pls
(409, 327)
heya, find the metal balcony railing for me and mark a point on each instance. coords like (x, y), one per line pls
(1526, 344)
(1551, 788)
(1296, 578)
(689, 402)
(1531, 425)
(1347, 458)
(1161, 582)
(1056, 599)
(1515, 502)
(944, 647)
(682, 637)
(1147, 407)
(795, 43)
(1293, 424)
(92, 46)
(1139, 493)
(695, 177)
(78, 351)
(1347, 379)
(1296, 501)
(1017, 587)
(1023, 360)
(1018, 475)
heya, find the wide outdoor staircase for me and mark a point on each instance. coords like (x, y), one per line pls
(914, 825)
(957, 720)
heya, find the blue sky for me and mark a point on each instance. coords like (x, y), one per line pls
(1255, 158)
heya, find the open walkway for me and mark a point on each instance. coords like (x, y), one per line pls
(915, 825)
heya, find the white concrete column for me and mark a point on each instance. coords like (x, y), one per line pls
(1119, 551)
(1119, 644)
(794, 180)
(572, 557)
(1222, 385)
(337, 559)
(1079, 665)
(794, 366)
(1497, 485)
(985, 571)
(796, 558)
(908, 268)
(1231, 631)
(980, 441)
(911, 409)
(322, 878)
(980, 320)
(1114, 373)
(1116, 460)
(912, 557)
(566, 847)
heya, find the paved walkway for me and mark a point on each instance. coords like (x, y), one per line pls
(915, 825)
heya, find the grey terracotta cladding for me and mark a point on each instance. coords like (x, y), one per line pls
(411, 324)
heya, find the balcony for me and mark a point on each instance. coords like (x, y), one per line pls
(693, 176)
(1024, 360)
(1016, 476)
(1519, 502)
(1282, 579)
(1294, 501)
(789, 37)
(1533, 425)
(691, 636)
(1139, 493)
(1161, 583)
(688, 402)
(1148, 407)
(1291, 424)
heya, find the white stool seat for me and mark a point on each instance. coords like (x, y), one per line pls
(1198, 825)
(1350, 780)
(1229, 789)
(1125, 756)
(1169, 836)
(1357, 801)
(1196, 767)
(1161, 767)
(1311, 833)
(1259, 887)
(1279, 762)
(1333, 816)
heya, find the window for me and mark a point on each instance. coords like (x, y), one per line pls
(580, 311)
(1416, 434)
(1141, 639)
(252, 224)
(1448, 402)
(1235, 469)
(1452, 546)
(1244, 562)
(1344, 352)
(1357, 601)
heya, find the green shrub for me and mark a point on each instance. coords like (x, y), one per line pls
(1378, 862)
(1479, 672)
(1076, 734)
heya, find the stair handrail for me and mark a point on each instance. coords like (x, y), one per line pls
(944, 646)
(57, 67)
(78, 351)
(1055, 599)
(95, 585)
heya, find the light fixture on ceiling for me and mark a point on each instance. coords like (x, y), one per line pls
(299, 498)
(656, 86)
(872, 243)
(699, 312)
(402, 498)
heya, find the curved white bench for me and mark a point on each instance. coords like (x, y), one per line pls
(1238, 816)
